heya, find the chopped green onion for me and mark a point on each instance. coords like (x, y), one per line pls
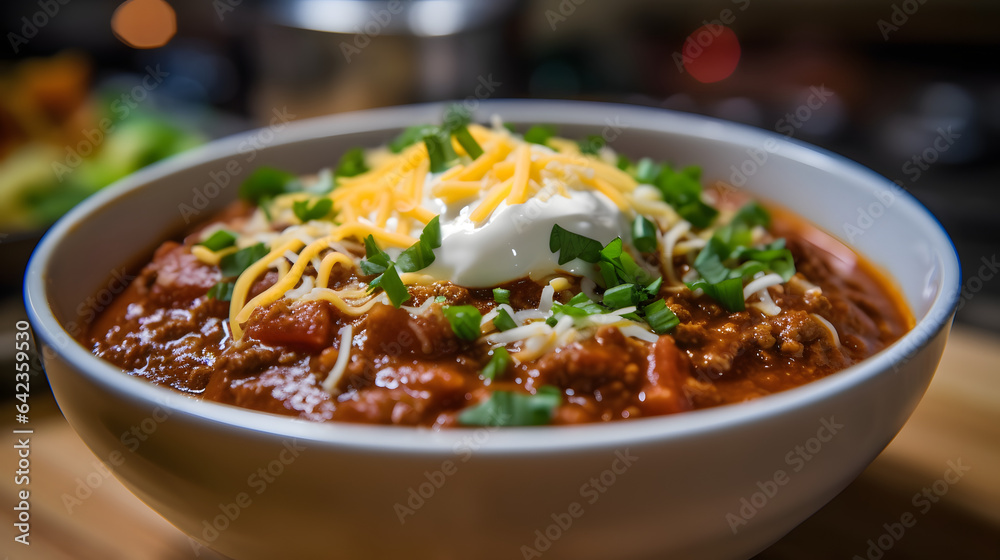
(421, 254)
(414, 258)
(467, 142)
(682, 190)
(265, 182)
(622, 295)
(222, 291)
(439, 150)
(660, 317)
(646, 171)
(409, 136)
(571, 246)
(591, 145)
(709, 262)
(644, 234)
(618, 267)
(579, 306)
(507, 408)
(219, 240)
(352, 163)
(729, 293)
(540, 134)
(456, 116)
(317, 211)
(501, 295)
(440, 299)
(393, 286)
(464, 320)
(503, 321)
(376, 260)
(752, 214)
(324, 184)
(653, 288)
(498, 364)
(456, 121)
(623, 162)
(234, 264)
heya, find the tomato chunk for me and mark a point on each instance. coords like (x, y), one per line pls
(306, 326)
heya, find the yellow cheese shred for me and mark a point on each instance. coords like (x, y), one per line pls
(386, 202)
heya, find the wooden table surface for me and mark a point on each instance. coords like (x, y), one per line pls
(958, 420)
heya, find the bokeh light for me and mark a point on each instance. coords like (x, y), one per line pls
(711, 53)
(144, 24)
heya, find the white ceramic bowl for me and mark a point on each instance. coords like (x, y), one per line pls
(718, 483)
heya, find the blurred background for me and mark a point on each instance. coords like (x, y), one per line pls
(91, 91)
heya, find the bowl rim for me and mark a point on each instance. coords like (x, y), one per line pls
(509, 440)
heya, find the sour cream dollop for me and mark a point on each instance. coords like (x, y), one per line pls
(514, 241)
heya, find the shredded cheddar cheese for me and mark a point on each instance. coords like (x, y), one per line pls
(389, 202)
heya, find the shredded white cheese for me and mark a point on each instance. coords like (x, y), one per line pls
(343, 355)
(829, 327)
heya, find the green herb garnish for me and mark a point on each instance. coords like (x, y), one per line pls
(498, 364)
(626, 284)
(571, 246)
(414, 258)
(352, 163)
(591, 144)
(421, 254)
(219, 240)
(540, 134)
(727, 260)
(503, 321)
(456, 121)
(234, 264)
(464, 320)
(317, 211)
(729, 293)
(506, 408)
(265, 183)
(410, 135)
(501, 295)
(682, 190)
(439, 150)
(222, 291)
(644, 234)
(660, 318)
